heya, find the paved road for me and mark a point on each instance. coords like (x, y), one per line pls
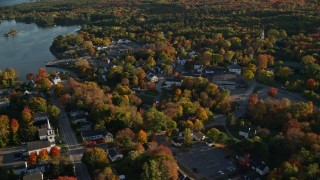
(242, 99)
(75, 149)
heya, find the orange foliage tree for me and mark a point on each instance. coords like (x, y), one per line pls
(141, 136)
(43, 155)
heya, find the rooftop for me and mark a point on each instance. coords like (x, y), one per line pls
(34, 176)
(34, 145)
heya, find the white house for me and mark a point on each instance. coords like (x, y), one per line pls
(36, 146)
(153, 78)
(114, 154)
(4, 103)
(235, 68)
(46, 132)
(97, 135)
(55, 79)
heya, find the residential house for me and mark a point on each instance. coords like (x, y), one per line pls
(36, 146)
(40, 116)
(46, 132)
(80, 118)
(25, 169)
(198, 136)
(182, 61)
(247, 132)
(114, 154)
(33, 176)
(97, 135)
(177, 141)
(192, 53)
(84, 126)
(153, 78)
(260, 167)
(6, 92)
(55, 79)
(235, 68)
(198, 68)
(172, 82)
(4, 103)
(78, 112)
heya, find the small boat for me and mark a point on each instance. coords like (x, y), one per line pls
(12, 32)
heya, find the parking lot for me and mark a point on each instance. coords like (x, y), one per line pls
(207, 162)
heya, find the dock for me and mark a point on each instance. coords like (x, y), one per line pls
(60, 62)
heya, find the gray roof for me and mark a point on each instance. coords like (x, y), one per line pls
(198, 134)
(34, 176)
(34, 145)
(43, 132)
(234, 66)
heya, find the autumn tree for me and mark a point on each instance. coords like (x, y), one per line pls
(14, 126)
(311, 83)
(32, 158)
(124, 138)
(248, 74)
(4, 130)
(273, 91)
(198, 125)
(43, 155)
(95, 158)
(38, 104)
(155, 121)
(141, 136)
(187, 136)
(54, 152)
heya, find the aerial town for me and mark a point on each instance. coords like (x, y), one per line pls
(156, 90)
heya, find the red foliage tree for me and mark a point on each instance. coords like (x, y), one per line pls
(311, 83)
(54, 152)
(41, 74)
(273, 91)
(14, 124)
(292, 124)
(32, 159)
(253, 98)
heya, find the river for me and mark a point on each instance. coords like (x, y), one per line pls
(28, 50)
(12, 2)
